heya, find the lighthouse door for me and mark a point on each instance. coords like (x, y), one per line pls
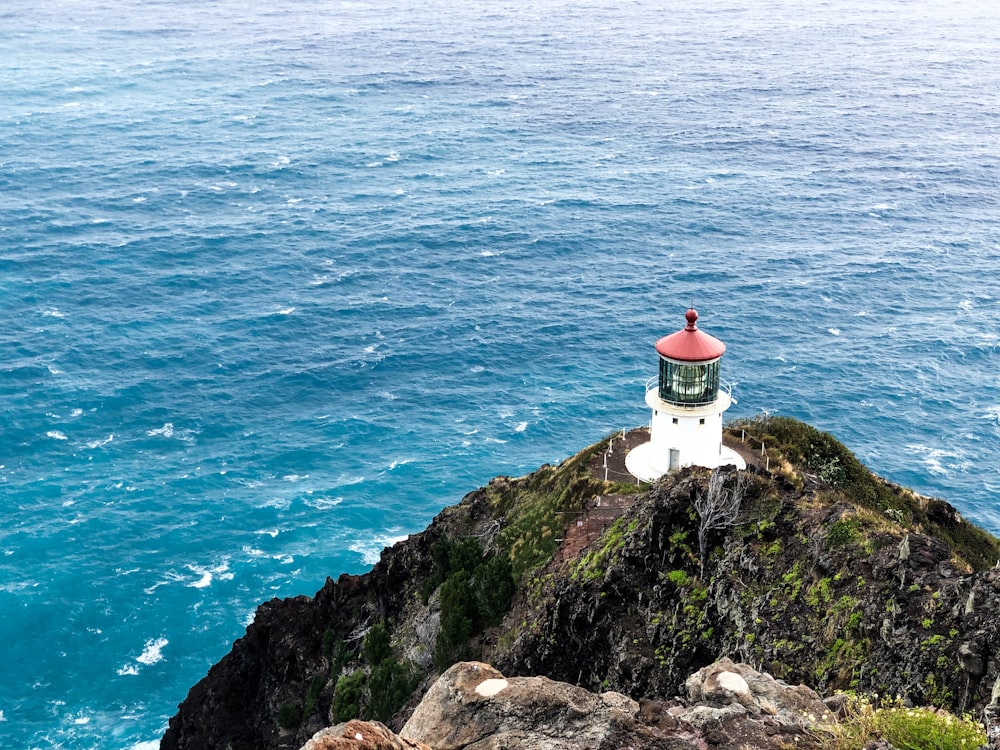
(675, 459)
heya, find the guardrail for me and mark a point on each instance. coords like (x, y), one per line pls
(763, 448)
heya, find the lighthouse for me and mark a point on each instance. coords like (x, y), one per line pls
(688, 398)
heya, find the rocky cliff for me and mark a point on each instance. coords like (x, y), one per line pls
(825, 575)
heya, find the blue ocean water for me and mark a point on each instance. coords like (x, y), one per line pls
(280, 280)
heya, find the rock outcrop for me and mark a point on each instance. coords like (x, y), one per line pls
(472, 706)
(361, 735)
(724, 688)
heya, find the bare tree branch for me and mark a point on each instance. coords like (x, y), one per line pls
(718, 507)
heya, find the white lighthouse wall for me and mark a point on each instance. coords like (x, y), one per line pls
(698, 444)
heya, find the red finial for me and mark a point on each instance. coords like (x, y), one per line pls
(692, 318)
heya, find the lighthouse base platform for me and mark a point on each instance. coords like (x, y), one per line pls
(648, 462)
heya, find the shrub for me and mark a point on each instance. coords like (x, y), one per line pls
(842, 532)
(493, 586)
(289, 715)
(475, 592)
(905, 728)
(376, 645)
(679, 578)
(464, 554)
(312, 695)
(389, 686)
(347, 697)
(458, 616)
(451, 556)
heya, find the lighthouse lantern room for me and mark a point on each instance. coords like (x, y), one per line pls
(688, 399)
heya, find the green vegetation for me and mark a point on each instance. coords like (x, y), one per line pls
(905, 728)
(679, 578)
(794, 447)
(540, 507)
(842, 532)
(819, 593)
(458, 616)
(312, 695)
(592, 565)
(373, 693)
(376, 645)
(475, 593)
(347, 697)
(289, 715)
(389, 687)
(493, 586)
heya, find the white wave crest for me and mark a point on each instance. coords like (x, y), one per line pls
(207, 575)
(101, 443)
(939, 461)
(153, 652)
(371, 549)
(346, 480)
(56, 435)
(167, 430)
(324, 503)
(204, 582)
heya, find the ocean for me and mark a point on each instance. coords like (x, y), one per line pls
(279, 281)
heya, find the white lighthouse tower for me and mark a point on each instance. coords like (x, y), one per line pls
(687, 399)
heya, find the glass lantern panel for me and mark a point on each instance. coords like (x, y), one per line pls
(689, 384)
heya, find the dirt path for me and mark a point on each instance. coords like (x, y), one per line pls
(588, 525)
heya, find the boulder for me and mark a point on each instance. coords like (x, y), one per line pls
(360, 735)
(726, 689)
(473, 706)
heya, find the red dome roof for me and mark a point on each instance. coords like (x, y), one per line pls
(689, 344)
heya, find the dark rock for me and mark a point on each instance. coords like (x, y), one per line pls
(972, 660)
